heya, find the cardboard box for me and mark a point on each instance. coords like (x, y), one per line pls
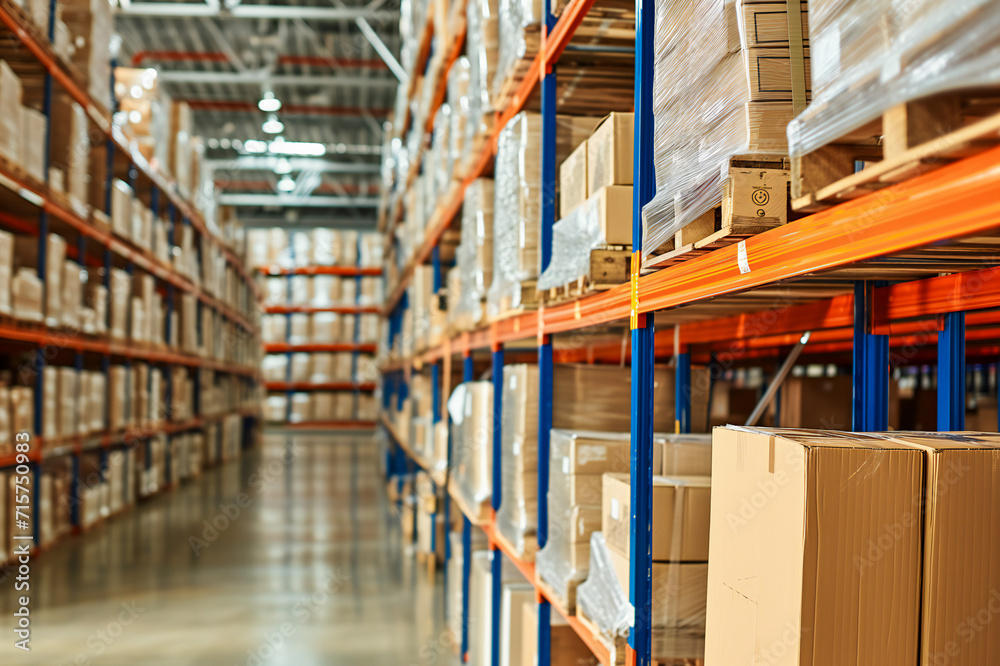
(767, 24)
(682, 455)
(609, 152)
(566, 647)
(121, 208)
(612, 207)
(796, 573)
(680, 592)
(512, 638)
(817, 402)
(22, 409)
(10, 113)
(681, 509)
(33, 127)
(573, 180)
(72, 293)
(6, 271)
(26, 295)
(961, 573)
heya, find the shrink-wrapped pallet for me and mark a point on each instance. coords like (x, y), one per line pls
(517, 517)
(715, 97)
(474, 255)
(91, 26)
(471, 410)
(519, 28)
(70, 148)
(483, 41)
(604, 219)
(517, 204)
(26, 295)
(6, 270)
(873, 56)
(10, 116)
(458, 101)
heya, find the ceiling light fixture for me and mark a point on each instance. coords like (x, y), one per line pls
(283, 167)
(281, 147)
(272, 125)
(269, 103)
(286, 184)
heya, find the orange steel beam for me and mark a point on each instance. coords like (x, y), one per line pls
(959, 292)
(348, 271)
(281, 348)
(306, 309)
(318, 386)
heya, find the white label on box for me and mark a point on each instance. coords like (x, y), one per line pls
(588, 453)
(513, 382)
(516, 448)
(565, 464)
(614, 508)
(741, 257)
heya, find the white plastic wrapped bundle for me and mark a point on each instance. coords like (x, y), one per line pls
(577, 460)
(601, 597)
(438, 163)
(519, 32)
(573, 237)
(458, 101)
(471, 410)
(517, 192)
(475, 251)
(482, 41)
(517, 516)
(325, 246)
(871, 56)
(714, 97)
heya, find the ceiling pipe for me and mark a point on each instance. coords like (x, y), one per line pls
(209, 56)
(286, 109)
(256, 11)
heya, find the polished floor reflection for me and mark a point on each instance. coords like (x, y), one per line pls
(304, 567)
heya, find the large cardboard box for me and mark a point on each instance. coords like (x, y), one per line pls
(681, 508)
(609, 152)
(33, 127)
(679, 592)
(573, 180)
(817, 402)
(612, 208)
(10, 114)
(961, 570)
(6, 271)
(797, 574)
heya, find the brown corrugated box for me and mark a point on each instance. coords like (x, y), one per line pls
(817, 402)
(797, 575)
(767, 24)
(679, 592)
(10, 113)
(573, 180)
(26, 295)
(33, 128)
(6, 271)
(609, 152)
(684, 497)
(613, 207)
(961, 570)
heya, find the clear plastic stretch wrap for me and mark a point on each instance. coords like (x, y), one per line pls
(573, 237)
(601, 597)
(458, 100)
(471, 410)
(714, 97)
(482, 41)
(519, 33)
(517, 192)
(872, 56)
(475, 251)
(440, 147)
(517, 516)
(577, 459)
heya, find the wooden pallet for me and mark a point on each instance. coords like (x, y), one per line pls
(530, 546)
(906, 141)
(568, 604)
(615, 645)
(754, 199)
(529, 302)
(609, 267)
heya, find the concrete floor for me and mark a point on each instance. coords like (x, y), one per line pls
(309, 571)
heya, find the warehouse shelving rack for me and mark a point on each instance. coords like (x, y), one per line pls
(878, 256)
(355, 347)
(31, 207)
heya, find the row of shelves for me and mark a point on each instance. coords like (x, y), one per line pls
(25, 33)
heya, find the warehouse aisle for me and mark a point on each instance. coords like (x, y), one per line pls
(309, 570)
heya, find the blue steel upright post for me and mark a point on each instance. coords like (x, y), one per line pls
(870, 407)
(466, 542)
(497, 555)
(640, 566)
(545, 370)
(951, 373)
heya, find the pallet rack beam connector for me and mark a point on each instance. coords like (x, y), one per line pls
(951, 373)
(870, 407)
